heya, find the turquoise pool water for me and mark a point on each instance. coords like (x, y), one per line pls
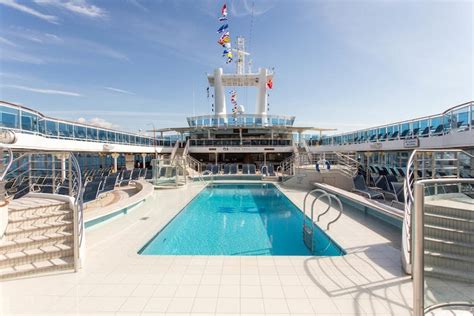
(239, 220)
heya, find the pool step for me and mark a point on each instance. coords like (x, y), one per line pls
(38, 238)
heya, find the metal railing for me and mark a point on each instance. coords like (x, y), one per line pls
(241, 120)
(459, 118)
(419, 248)
(308, 230)
(255, 142)
(28, 121)
(428, 164)
(49, 172)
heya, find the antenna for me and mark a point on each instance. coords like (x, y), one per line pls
(241, 53)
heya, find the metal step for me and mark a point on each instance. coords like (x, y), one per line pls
(449, 234)
(449, 222)
(455, 262)
(449, 211)
(451, 247)
(447, 273)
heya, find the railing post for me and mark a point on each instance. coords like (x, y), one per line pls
(53, 171)
(30, 182)
(418, 251)
(70, 175)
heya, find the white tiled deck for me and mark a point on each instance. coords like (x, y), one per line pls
(116, 280)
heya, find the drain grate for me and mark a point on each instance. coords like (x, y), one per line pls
(144, 218)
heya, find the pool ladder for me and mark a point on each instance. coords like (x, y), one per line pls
(308, 228)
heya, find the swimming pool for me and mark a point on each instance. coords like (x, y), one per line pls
(239, 220)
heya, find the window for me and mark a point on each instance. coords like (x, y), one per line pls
(51, 128)
(111, 136)
(29, 121)
(126, 138)
(102, 135)
(9, 117)
(65, 130)
(91, 133)
(80, 132)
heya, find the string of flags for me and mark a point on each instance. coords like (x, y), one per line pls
(224, 39)
(233, 100)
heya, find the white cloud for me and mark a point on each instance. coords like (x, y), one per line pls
(244, 8)
(119, 90)
(23, 8)
(137, 4)
(7, 42)
(97, 121)
(17, 56)
(76, 6)
(43, 91)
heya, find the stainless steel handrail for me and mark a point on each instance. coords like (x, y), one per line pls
(331, 197)
(9, 164)
(308, 194)
(418, 240)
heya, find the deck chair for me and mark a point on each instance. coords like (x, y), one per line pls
(399, 201)
(245, 169)
(125, 180)
(252, 169)
(109, 183)
(271, 170)
(215, 169)
(361, 187)
(226, 169)
(148, 174)
(233, 168)
(91, 191)
(135, 174)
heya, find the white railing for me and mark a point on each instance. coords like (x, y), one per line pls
(175, 149)
(348, 165)
(459, 118)
(427, 164)
(49, 172)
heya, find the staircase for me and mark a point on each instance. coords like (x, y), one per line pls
(449, 242)
(38, 238)
(449, 227)
(40, 232)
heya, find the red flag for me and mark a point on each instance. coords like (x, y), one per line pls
(270, 83)
(224, 10)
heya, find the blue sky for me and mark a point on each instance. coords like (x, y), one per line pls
(342, 64)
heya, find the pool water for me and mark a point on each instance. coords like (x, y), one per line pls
(239, 220)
